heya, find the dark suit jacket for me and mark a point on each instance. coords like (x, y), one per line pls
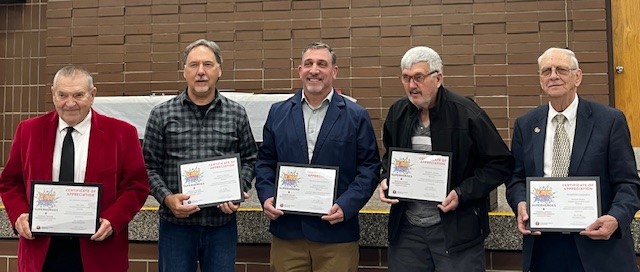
(114, 160)
(346, 140)
(601, 147)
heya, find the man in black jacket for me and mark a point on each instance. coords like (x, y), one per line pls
(446, 236)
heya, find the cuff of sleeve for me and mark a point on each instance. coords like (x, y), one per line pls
(622, 225)
(163, 195)
(459, 193)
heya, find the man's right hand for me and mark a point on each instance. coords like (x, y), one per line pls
(523, 217)
(383, 188)
(174, 202)
(271, 210)
(22, 226)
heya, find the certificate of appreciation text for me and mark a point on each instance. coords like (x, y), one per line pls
(563, 204)
(64, 208)
(305, 189)
(418, 175)
(211, 181)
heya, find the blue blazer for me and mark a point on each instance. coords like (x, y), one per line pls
(601, 147)
(346, 140)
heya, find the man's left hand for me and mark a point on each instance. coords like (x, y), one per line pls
(335, 215)
(450, 203)
(602, 229)
(104, 231)
(229, 207)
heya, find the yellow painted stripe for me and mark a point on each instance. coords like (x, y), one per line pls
(374, 211)
(250, 209)
(501, 214)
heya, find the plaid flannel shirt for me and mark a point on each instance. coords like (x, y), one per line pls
(177, 131)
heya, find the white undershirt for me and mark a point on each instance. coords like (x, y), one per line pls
(80, 136)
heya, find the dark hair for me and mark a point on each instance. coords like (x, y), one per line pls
(321, 45)
(202, 42)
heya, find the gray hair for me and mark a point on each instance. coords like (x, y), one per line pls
(202, 42)
(567, 52)
(71, 71)
(421, 54)
(321, 45)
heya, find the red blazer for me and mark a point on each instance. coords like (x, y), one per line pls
(114, 160)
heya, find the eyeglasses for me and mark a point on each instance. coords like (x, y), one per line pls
(417, 78)
(562, 71)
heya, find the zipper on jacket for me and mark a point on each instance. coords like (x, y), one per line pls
(475, 212)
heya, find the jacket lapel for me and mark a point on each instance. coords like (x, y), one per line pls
(584, 128)
(298, 124)
(333, 113)
(48, 132)
(539, 130)
(96, 148)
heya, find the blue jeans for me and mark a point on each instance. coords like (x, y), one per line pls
(181, 248)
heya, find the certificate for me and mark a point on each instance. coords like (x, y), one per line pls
(64, 208)
(211, 181)
(418, 175)
(563, 204)
(305, 189)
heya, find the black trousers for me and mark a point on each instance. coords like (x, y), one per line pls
(63, 255)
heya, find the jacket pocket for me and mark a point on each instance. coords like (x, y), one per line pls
(464, 228)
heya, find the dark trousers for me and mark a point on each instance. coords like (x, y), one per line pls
(423, 249)
(555, 252)
(63, 255)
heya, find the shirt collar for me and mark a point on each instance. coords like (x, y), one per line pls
(327, 98)
(184, 98)
(571, 112)
(81, 127)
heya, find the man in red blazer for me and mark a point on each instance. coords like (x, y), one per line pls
(107, 152)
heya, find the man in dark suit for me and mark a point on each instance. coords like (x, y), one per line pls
(318, 126)
(107, 152)
(600, 145)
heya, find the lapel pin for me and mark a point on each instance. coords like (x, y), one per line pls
(536, 130)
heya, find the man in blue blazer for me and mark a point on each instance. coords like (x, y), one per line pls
(318, 126)
(600, 146)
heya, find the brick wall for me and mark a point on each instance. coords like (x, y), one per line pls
(22, 62)
(489, 47)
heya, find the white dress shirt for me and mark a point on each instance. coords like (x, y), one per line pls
(80, 136)
(571, 113)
